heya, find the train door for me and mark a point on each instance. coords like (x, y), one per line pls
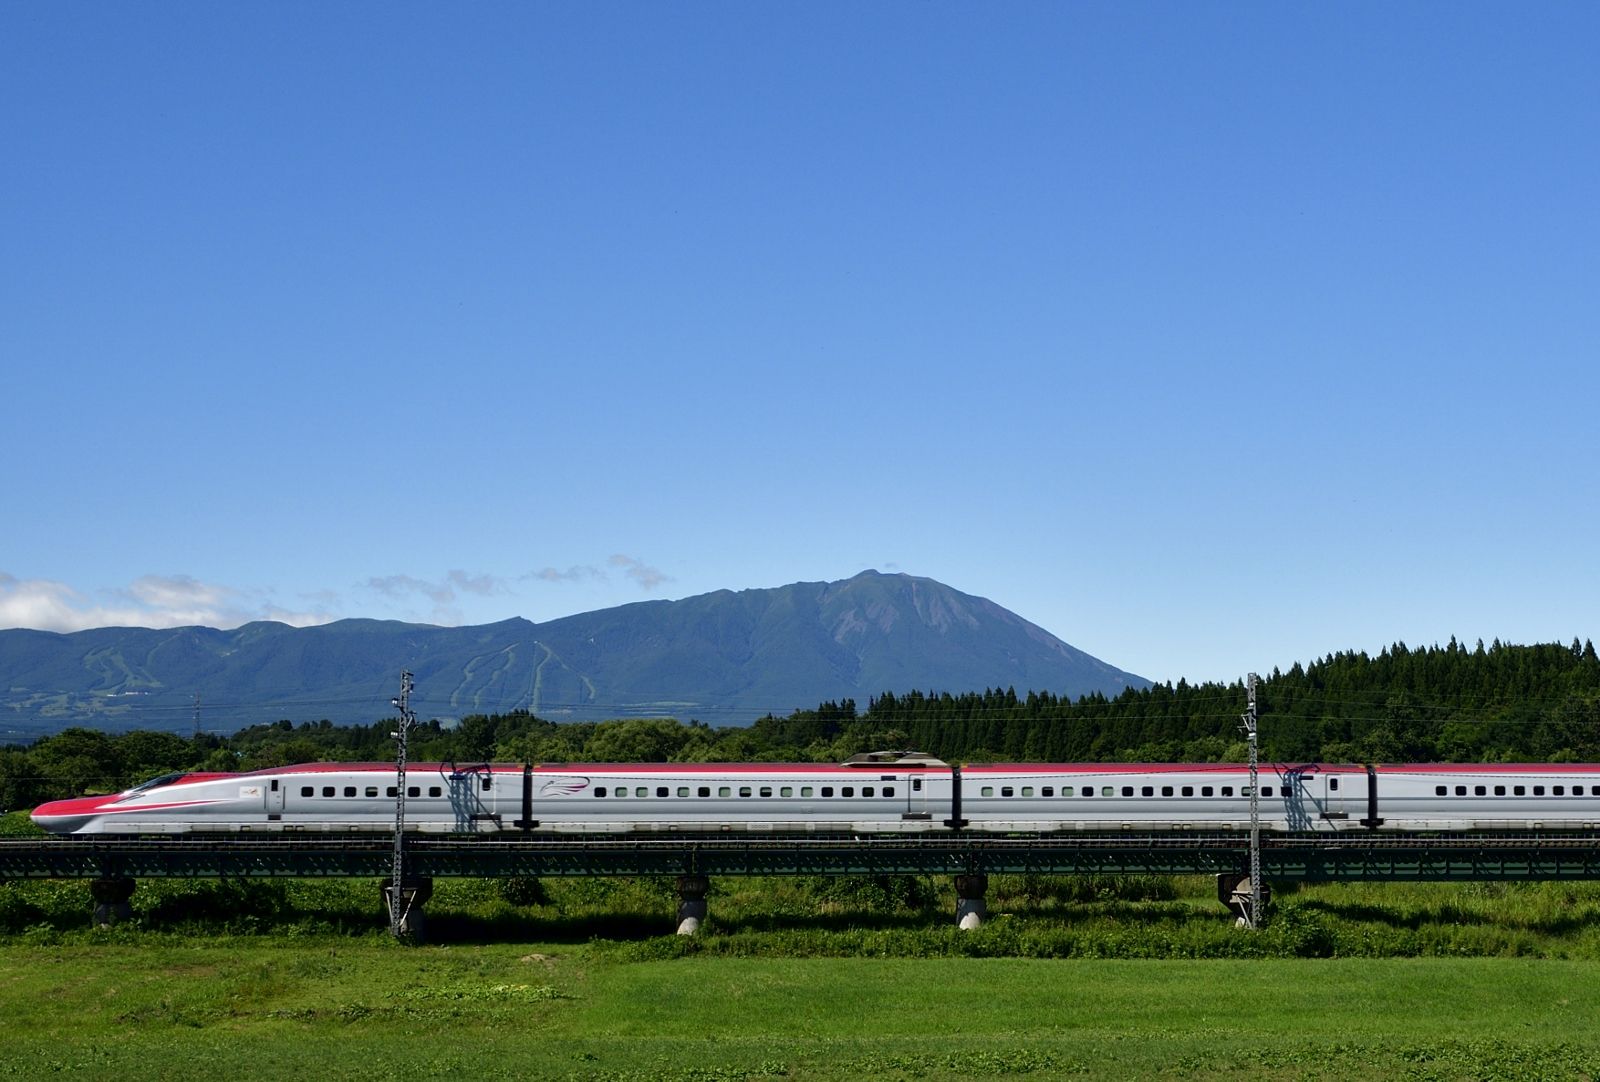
(1314, 799)
(472, 799)
(916, 787)
(275, 799)
(1335, 796)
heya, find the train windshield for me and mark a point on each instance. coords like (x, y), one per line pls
(155, 783)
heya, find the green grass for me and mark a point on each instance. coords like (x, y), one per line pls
(326, 1008)
(803, 979)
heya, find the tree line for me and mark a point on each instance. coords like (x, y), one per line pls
(1435, 704)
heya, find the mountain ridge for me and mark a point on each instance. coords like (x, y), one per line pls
(724, 657)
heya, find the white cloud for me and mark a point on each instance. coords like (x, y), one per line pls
(482, 585)
(149, 601)
(581, 573)
(443, 594)
(401, 587)
(646, 576)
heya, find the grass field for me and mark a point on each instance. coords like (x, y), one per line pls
(328, 1008)
(803, 979)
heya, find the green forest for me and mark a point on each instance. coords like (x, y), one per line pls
(1452, 703)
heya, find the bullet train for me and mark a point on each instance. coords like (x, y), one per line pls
(883, 792)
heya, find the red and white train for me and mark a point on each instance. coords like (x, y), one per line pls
(877, 793)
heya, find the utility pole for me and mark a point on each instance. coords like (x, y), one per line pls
(399, 901)
(1252, 918)
(197, 715)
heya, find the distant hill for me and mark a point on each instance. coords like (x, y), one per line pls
(724, 658)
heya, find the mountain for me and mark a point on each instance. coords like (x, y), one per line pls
(724, 658)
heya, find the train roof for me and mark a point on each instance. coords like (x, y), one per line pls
(914, 762)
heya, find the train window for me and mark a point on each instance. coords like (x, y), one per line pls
(1558, 790)
(987, 790)
(1266, 790)
(683, 790)
(1106, 790)
(1479, 790)
(1227, 790)
(866, 790)
(599, 790)
(1441, 790)
(1048, 790)
(391, 791)
(1148, 790)
(620, 791)
(786, 790)
(827, 790)
(724, 790)
(1499, 790)
(704, 790)
(1538, 790)
(327, 790)
(485, 783)
(1027, 790)
(433, 790)
(1127, 790)
(1166, 790)
(1519, 790)
(275, 786)
(1244, 790)
(1577, 790)
(1206, 790)
(306, 790)
(766, 790)
(847, 790)
(642, 790)
(916, 785)
(806, 791)
(888, 790)
(1461, 790)
(744, 790)
(413, 790)
(1006, 790)
(1333, 783)
(349, 790)
(662, 790)
(1188, 790)
(1088, 790)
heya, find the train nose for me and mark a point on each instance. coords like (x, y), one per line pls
(66, 816)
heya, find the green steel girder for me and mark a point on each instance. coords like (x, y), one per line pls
(1358, 856)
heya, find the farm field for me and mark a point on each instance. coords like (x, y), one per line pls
(328, 1007)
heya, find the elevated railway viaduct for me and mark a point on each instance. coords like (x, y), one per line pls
(114, 864)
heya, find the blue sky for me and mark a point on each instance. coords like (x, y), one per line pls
(1208, 337)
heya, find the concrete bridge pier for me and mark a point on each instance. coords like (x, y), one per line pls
(1233, 891)
(111, 901)
(971, 906)
(691, 903)
(414, 893)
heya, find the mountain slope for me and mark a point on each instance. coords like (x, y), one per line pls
(724, 658)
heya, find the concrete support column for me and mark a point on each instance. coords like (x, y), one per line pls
(111, 901)
(971, 907)
(1233, 891)
(691, 903)
(413, 895)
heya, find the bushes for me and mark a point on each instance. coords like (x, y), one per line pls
(888, 916)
